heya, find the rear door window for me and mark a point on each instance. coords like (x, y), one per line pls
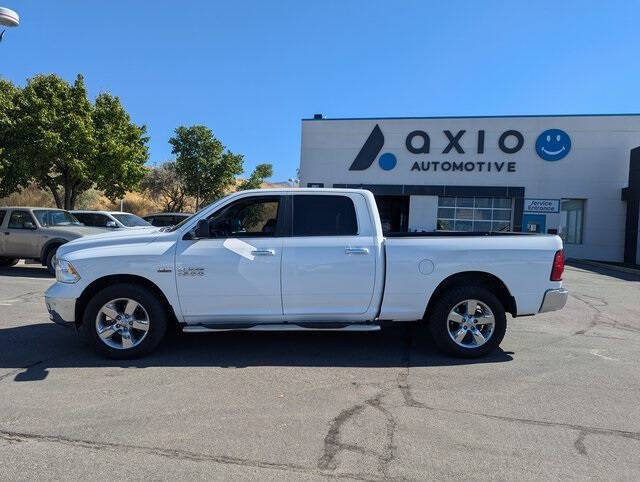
(323, 215)
(3, 213)
(21, 220)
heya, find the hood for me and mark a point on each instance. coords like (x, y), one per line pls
(110, 238)
(77, 230)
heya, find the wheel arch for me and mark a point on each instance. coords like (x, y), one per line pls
(51, 243)
(109, 280)
(475, 278)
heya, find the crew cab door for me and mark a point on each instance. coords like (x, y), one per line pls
(235, 275)
(328, 262)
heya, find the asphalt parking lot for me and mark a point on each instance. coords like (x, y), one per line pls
(561, 400)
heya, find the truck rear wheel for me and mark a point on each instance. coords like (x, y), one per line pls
(468, 322)
(124, 321)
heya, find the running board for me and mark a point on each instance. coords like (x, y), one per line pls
(279, 327)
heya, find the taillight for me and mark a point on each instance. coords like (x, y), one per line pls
(558, 266)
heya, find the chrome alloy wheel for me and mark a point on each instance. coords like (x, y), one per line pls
(122, 323)
(470, 323)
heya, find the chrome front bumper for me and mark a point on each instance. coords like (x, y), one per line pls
(554, 299)
(61, 310)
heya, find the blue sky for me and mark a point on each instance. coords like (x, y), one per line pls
(250, 70)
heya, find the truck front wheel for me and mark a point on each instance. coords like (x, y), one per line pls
(468, 322)
(50, 260)
(124, 321)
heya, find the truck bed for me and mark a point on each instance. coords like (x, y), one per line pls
(416, 263)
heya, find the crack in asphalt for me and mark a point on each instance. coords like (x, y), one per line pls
(583, 430)
(600, 317)
(389, 450)
(333, 445)
(17, 437)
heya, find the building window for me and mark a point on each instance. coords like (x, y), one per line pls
(571, 218)
(479, 214)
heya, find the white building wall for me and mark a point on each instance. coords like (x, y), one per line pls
(596, 168)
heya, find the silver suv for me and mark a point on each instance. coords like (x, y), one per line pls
(36, 233)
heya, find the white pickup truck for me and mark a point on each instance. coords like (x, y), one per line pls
(304, 259)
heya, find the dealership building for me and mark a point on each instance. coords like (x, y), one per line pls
(576, 176)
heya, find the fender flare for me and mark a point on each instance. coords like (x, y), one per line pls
(500, 288)
(48, 244)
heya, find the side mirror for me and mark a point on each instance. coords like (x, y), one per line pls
(202, 229)
(29, 225)
(111, 224)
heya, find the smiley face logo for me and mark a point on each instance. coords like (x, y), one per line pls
(553, 145)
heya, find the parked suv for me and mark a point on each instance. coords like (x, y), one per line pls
(36, 233)
(110, 219)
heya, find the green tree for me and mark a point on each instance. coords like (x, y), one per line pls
(121, 148)
(257, 177)
(55, 136)
(11, 177)
(162, 183)
(207, 170)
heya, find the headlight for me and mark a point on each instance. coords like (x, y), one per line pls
(65, 272)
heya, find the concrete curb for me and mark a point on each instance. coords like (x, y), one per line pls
(621, 269)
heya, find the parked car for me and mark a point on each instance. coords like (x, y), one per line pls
(305, 259)
(110, 219)
(166, 219)
(36, 233)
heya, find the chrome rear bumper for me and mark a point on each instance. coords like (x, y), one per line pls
(554, 299)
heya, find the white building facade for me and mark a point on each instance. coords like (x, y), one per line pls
(570, 175)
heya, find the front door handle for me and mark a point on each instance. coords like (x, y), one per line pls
(356, 250)
(7, 233)
(263, 252)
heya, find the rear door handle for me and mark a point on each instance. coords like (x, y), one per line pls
(7, 233)
(263, 252)
(356, 250)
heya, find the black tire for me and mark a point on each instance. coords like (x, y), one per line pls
(439, 321)
(48, 261)
(8, 262)
(157, 322)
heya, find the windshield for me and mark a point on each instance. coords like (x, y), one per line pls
(55, 217)
(130, 220)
